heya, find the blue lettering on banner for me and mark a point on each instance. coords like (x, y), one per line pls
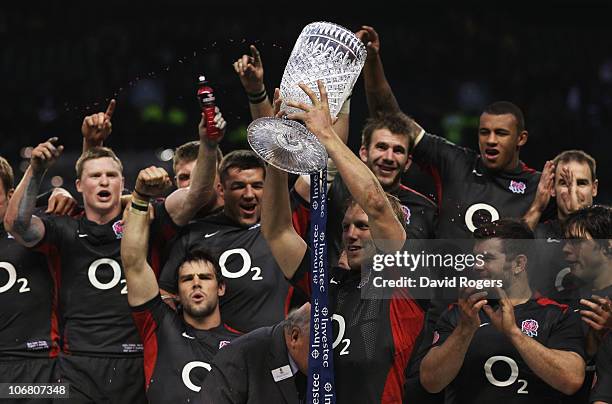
(321, 360)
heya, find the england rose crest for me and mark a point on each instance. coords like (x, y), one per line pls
(530, 328)
(406, 212)
(518, 187)
(118, 228)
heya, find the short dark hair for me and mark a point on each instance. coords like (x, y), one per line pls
(241, 159)
(506, 107)
(595, 221)
(515, 235)
(397, 123)
(6, 175)
(96, 153)
(578, 156)
(188, 152)
(200, 254)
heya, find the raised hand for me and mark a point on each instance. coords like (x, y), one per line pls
(545, 186)
(503, 317)
(97, 127)
(599, 315)
(316, 117)
(251, 72)
(219, 123)
(569, 197)
(370, 39)
(152, 182)
(45, 154)
(469, 304)
(61, 203)
(277, 102)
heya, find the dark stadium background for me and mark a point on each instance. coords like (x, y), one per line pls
(60, 61)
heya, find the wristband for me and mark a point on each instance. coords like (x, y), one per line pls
(257, 97)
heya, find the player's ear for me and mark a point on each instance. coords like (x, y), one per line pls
(595, 186)
(220, 189)
(10, 193)
(221, 289)
(522, 138)
(363, 153)
(77, 183)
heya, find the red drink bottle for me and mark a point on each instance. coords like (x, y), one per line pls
(206, 97)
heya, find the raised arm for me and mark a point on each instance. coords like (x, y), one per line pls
(379, 95)
(276, 225)
(542, 197)
(442, 363)
(97, 127)
(141, 283)
(251, 73)
(19, 220)
(360, 181)
(183, 204)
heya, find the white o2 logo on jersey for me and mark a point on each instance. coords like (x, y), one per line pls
(246, 265)
(187, 372)
(340, 337)
(514, 373)
(12, 279)
(93, 277)
(469, 214)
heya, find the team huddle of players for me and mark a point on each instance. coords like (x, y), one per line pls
(201, 295)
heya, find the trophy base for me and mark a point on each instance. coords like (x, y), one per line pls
(287, 145)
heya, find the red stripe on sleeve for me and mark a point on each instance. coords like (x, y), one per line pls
(301, 218)
(55, 266)
(406, 319)
(146, 328)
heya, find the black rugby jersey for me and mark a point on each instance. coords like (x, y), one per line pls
(469, 194)
(420, 212)
(177, 356)
(28, 303)
(494, 371)
(572, 297)
(86, 261)
(552, 275)
(602, 387)
(256, 293)
(373, 338)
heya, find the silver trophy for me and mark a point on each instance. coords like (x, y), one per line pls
(323, 51)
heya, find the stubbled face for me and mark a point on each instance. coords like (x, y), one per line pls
(387, 157)
(101, 184)
(357, 238)
(242, 191)
(198, 289)
(495, 262)
(182, 173)
(499, 141)
(586, 188)
(584, 256)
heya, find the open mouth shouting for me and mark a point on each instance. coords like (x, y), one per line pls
(491, 154)
(248, 208)
(104, 196)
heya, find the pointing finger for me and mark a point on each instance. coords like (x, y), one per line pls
(111, 108)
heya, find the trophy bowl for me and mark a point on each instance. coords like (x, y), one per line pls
(323, 51)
